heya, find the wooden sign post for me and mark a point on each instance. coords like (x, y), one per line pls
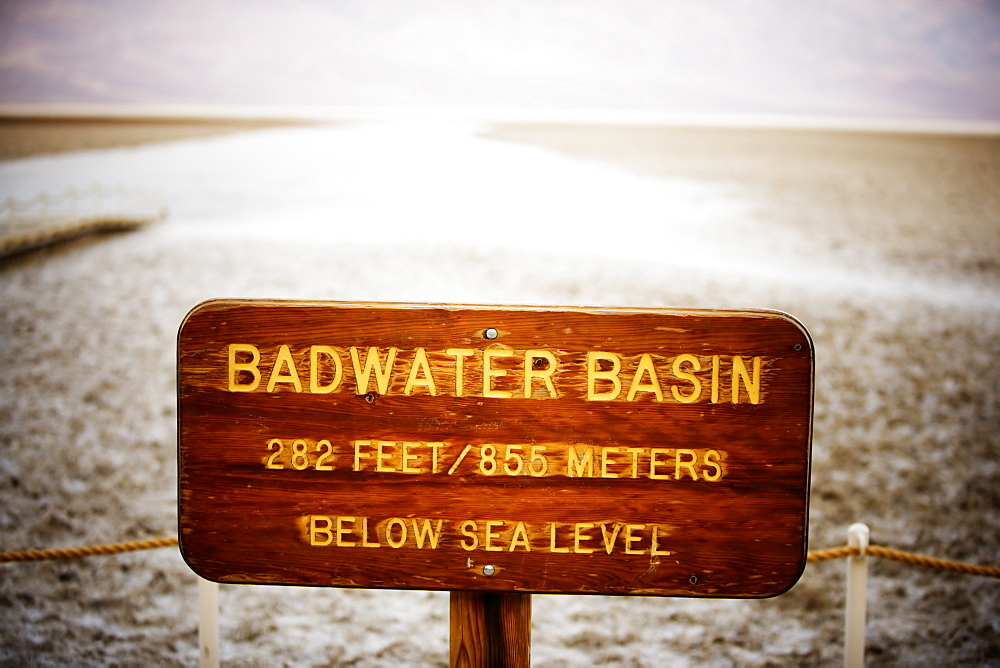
(495, 450)
(490, 629)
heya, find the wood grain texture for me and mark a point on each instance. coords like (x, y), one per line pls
(490, 629)
(734, 523)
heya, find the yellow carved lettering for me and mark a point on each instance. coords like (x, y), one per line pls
(326, 448)
(752, 384)
(491, 535)
(489, 373)
(629, 538)
(460, 354)
(595, 374)
(579, 537)
(635, 452)
(606, 460)
(513, 453)
(396, 532)
(316, 530)
(395, 542)
(520, 538)
(358, 455)
(680, 463)
(427, 533)
(371, 363)
(420, 366)
(655, 551)
(250, 367)
(537, 454)
(364, 535)
(468, 530)
(381, 456)
(712, 458)
(645, 368)
(533, 368)
(609, 541)
(715, 379)
(341, 530)
(405, 459)
(552, 540)
(653, 463)
(575, 464)
(689, 376)
(338, 369)
(434, 455)
(284, 359)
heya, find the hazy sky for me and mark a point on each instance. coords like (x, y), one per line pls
(925, 59)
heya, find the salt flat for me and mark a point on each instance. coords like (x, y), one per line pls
(884, 246)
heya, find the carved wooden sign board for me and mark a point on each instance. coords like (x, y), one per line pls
(578, 450)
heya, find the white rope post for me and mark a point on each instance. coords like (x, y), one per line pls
(856, 609)
(208, 623)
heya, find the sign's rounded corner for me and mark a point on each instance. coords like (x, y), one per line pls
(793, 580)
(194, 569)
(201, 306)
(795, 322)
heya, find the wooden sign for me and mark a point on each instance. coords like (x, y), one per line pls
(579, 450)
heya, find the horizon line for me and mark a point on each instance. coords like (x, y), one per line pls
(331, 114)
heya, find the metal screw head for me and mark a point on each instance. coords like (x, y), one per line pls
(491, 334)
(489, 570)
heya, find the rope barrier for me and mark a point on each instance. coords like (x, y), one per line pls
(88, 550)
(932, 562)
(815, 556)
(829, 553)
